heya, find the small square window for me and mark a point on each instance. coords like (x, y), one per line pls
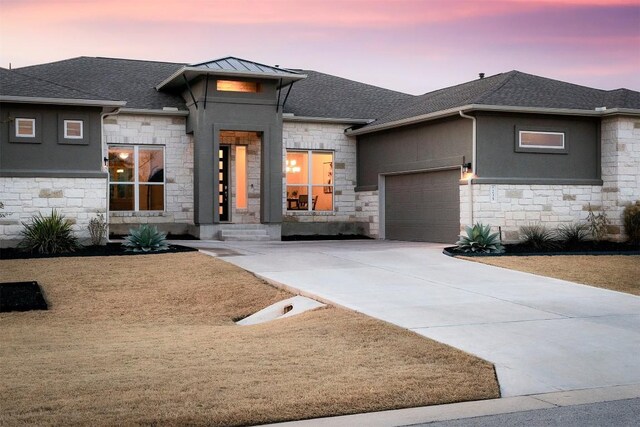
(73, 129)
(25, 128)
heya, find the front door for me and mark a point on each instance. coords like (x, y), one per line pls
(223, 183)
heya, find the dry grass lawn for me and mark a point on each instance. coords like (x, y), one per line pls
(150, 339)
(615, 272)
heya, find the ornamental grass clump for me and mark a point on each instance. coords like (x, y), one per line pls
(538, 237)
(572, 234)
(48, 235)
(479, 239)
(145, 238)
(631, 218)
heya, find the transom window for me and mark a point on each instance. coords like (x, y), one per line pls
(25, 128)
(73, 129)
(237, 86)
(541, 140)
(310, 181)
(136, 178)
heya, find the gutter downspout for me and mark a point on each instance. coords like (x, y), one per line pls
(105, 154)
(473, 162)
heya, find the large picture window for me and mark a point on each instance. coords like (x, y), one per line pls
(310, 181)
(136, 178)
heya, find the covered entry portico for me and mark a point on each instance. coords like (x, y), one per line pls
(236, 120)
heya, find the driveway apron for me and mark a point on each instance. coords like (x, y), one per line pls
(542, 334)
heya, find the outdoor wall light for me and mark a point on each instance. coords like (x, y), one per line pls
(466, 167)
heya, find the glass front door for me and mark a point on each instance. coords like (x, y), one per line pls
(223, 183)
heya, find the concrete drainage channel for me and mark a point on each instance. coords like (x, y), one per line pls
(280, 310)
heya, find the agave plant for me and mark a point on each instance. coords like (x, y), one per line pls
(48, 235)
(480, 240)
(145, 238)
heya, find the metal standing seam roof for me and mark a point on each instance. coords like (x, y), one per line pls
(234, 64)
(230, 66)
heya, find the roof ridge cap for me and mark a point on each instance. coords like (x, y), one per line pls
(509, 76)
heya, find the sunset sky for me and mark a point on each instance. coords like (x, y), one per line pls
(409, 45)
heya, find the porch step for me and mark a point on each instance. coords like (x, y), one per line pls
(238, 232)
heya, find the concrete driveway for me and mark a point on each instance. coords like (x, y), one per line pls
(542, 334)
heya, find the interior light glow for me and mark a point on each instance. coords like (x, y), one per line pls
(123, 155)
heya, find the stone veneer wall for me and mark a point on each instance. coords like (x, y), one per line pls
(169, 132)
(325, 136)
(516, 205)
(620, 168)
(78, 199)
(367, 209)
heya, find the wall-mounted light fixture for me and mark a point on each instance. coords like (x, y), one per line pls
(466, 167)
(106, 161)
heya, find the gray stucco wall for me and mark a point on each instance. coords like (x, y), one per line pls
(419, 147)
(242, 112)
(49, 154)
(497, 156)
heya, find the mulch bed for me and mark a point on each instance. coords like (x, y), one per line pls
(110, 249)
(21, 296)
(583, 248)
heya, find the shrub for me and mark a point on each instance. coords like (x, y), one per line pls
(571, 234)
(631, 217)
(97, 229)
(538, 236)
(145, 238)
(479, 239)
(597, 224)
(48, 235)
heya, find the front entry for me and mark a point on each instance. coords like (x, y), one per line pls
(223, 183)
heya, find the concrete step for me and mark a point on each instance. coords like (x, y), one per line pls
(243, 231)
(240, 232)
(245, 238)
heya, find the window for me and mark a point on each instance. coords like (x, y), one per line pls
(136, 178)
(541, 141)
(237, 86)
(25, 128)
(241, 177)
(73, 129)
(309, 180)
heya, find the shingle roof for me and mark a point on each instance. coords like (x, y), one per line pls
(324, 95)
(319, 95)
(513, 89)
(16, 84)
(122, 79)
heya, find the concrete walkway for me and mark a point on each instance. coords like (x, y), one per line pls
(543, 335)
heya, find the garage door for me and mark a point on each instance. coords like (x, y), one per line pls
(423, 207)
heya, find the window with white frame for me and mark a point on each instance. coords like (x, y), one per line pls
(136, 178)
(73, 129)
(540, 140)
(25, 128)
(310, 180)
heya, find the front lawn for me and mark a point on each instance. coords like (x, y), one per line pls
(615, 272)
(150, 339)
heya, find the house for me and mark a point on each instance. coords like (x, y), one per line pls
(234, 149)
